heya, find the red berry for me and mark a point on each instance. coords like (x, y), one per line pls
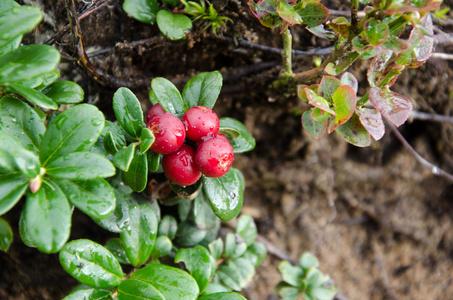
(155, 110)
(169, 132)
(200, 121)
(179, 167)
(214, 157)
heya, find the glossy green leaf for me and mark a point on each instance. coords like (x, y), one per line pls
(91, 264)
(241, 139)
(171, 282)
(47, 79)
(12, 187)
(142, 10)
(80, 166)
(230, 244)
(11, 45)
(6, 235)
(216, 248)
(17, 21)
(199, 263)
(188, 234)
(33, 96)
(137, 175)
(245, 268)
(225, 194)
(7, 4)
(94, 197)
(354, 132)
(223, 296)
(128, 112)
(89, 294)
(137, 289)
(313, 14)
(168, 227)
(214, 288)
(246, 229)
(166, 93)
(147, 139)
(74, 130)
(139, 235)
(23, 232)
(289, 292)
(115, 247)
(230, 277)
(344, 100)
(162, 247)
(27, 62)
(7, 163)
(22, 122)
(256, 253)
(64, 92)
(308, 260)
(153, 161)
(319, 115)
(204, 217)
(394, 107)
(47, 218)
(26, 161)
(376, 33)
(203, 89)
(287, 12)
(173, 26)
(313, 127)
(123, 158)
(116, 139)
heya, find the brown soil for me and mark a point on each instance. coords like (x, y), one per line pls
(379, 222)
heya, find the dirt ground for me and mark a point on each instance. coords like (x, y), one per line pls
(380, 223)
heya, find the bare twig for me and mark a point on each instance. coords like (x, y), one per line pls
(444, 56)
(434, 169)
(418, 115)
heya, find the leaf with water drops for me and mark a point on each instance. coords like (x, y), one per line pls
(114, 138)
(173, 26)
(142, 10)
(91, 264)
(241, 140)
(223, 296)
(22, 122)
(137, 175)
(12, 187)
(139, 234)
(115, 247)
(47, 218)
(6, 235)
(123, 158)
(33, 96)
(137, 289)
(188, 234)
(162, 247)
(74, 130)
(27, 62)
(16, 21)
(171, 282)
(80, 166)
(147, 139)
(166, 93)
(225, 194)
(89, 294)
(203, 89)
(64, 92)
(94, 197)
(128, 112)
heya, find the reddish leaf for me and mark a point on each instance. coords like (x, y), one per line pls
(376, 33)
(396, 44)
(288, 13)
(319, 31)
(328, 86)
(340, 25)
(318, 101)
(349, 79)
(313, 14)
(319, 115)
(301, 91)
(344, 100)
(383, 69)
(266, 12)
(371, 119)
(394, 107)
(313, 127)
(354, 132)
(401, 7)
(331, 125)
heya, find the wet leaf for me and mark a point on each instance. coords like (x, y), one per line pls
(142, 10)
(223, 296)
(173, 26)
(64, 92)
(128, 112)
(372, 121)
(123, 158)
(114, 138)
(6, 235)
(313, 14)
(241, 143)
(147, 139)
(168, 226)
(91, 264)
(137, 175)
(134, 289)
(47, 218)
(203, 89)
(166, 93)
(162, 247)
(376, 33)
(16, 21)
(394, 107)
(354, 132)
(115, 247)
(344, 101)
(188, 234)
(313, 127)
(33, 96)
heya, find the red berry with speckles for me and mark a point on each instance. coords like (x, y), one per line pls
(179, 167)
(155, 110)
(169, 132)
(214, 157)
(200, 121)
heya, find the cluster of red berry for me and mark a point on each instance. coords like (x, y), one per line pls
(182, 163)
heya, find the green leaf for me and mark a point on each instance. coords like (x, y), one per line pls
(354, 132)
(171, 282)
(26, 161)
(11, 45)
(376, 33)
(137, 289)
(230, 277)
(214, 288)
(313, 14)
(147, 139)
(318, 101)
(91, 264)
(17, 21)
(266, 12)
(74, 130)
(223, 296)
(225, 194)
(324, 293)
(153, 161)
(204, 217)
(6, 235)
(89, 294)
(64, 92)
(162, 247)
(188, 234)
(203, 89)
(47, 218)
(115, 247)
(394, 107)
(142, 10)
(288, 292)
(241, 143)
(168, 96)
(12, 187)
(291, 274)
(47, 79)
(216, 248)
(33, 96)
(199, 262)
(22, 122)
(230, 244)
(94, 197)
(287, 12)
(256, 253)
(168, 227)
(313, 127)
(113, 137)
(139, 236)
(27, 62)
(128, 112)
(246, 229)
(23, 232)
(344, 100)
(173, 26)
(327, 87)
(123, 158)
(80, 166)
(308, 260)
(137, 175)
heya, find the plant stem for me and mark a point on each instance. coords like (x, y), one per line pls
(354, 12)
(287, 53)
